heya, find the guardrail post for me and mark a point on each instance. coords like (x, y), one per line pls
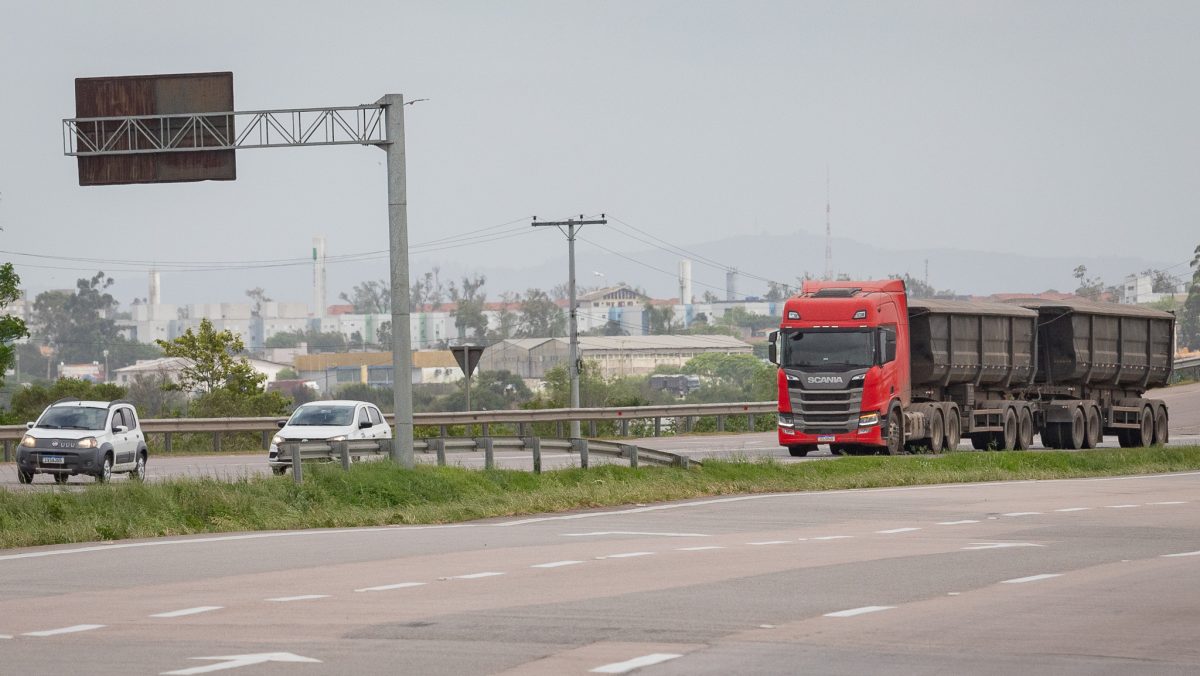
(266, 439)
(535, 446)
(442, 431)
(749, 422)
(657, 426)
(439, 445)
(522, 429)
(631, 452)
(483, 430)
(216, 442)
(580, 446)
(297, 472)
(720, 423)
(7, 450)
(591, 428)
(558, 429)
(342, 448)
(489, 456)
(166, 442)
(624, 427)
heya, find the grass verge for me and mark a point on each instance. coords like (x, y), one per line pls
(380, 493)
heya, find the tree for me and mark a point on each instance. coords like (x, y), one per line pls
(212, 362)
(259, 297)
(1189, 326)
(468, 310)
(777, 291)
(507, 321)
(78, 326)
(1161, 281)
(370, 297)
(317, 341)
(541, 317)
(29, 402)
(1089, 287)
(427, 290)
(661, 320)
(917, 288)
(11, 328)
(153, 396)
(710, 297)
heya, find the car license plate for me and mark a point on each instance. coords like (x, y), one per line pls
(829, 437)
(53, 460)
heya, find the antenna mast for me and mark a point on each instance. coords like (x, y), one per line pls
(828, 231)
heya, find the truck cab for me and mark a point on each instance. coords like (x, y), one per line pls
(843, 356)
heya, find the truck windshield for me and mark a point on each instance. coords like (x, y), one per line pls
(828, 350)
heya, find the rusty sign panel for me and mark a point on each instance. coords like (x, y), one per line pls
(187, 93)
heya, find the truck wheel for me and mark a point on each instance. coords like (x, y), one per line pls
(894, 433)
(1161, 433)
(981, 441)
(798, 451)
(1073, 433)
(1050, 436)
(1007, 440)
(1127, 438)
(24, 477)
(953, 432)
(936, 432)
(1144, 435)
(1024, 430)
(1094, 432)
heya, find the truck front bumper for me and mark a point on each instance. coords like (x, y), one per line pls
(871, 435)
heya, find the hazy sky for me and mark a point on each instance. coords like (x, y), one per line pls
(1064, 128)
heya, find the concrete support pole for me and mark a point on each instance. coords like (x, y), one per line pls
(574, 329)
(402, 445)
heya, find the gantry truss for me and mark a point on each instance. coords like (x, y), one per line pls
(140, 134)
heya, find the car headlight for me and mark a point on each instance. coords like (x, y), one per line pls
(28, 441)
(341, 437)
(277, 440)
(87, 442)
(868, 419)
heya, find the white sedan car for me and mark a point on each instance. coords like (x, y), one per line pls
(334, 420)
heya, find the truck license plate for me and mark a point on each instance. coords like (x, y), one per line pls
(826, 438)
(53, 460)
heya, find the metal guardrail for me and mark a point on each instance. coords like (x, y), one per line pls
(1186, 369)
(344, 451)
(522, 418)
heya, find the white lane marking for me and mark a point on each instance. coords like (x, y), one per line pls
(473, 576)
(698, 549)
(1170, 502)
(1073, 509)
(1168, 556)
(235, 661)
(858, 611)
(845, 491)
(188, 611)
(555, 564)
(897, 530)
(388, 587)
(626, 555)
(1000, 545)
(957, 523)
(634, 532)
(4, 637)
(635, 663)
(1032, 578)
(302, 597)
(64, 630)
(834, 537)
(770, 542)
(1121, 506)
(1020, 513)
(225, 538)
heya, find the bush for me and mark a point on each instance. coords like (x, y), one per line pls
(29, 402)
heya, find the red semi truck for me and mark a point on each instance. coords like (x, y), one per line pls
(865, 369)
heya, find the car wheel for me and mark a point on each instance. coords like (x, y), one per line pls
(61, 478)
(24, 476)
(279, 471)
(139, 469)
(105, 470)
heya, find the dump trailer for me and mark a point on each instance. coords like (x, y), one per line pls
(865, 369)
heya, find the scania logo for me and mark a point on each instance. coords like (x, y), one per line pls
(814, 380)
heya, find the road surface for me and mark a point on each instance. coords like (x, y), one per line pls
(1054, 577)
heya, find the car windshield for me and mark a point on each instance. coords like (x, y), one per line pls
(73, 418)
(828, 350)
(322, 415)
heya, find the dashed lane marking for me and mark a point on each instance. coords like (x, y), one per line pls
(1169, 556)
(1020, 513)
(858, 611)
(770, 542)
(635, 663)
(1073, 509)
(626, 555)
(1121, 506)
(897, 530)
(473, 576)
(957, 523)
(698, 549)
(389, 587)
(1170, 502)
(64, 630)
(1000, 545)
(634, 532)
(555, 564)
(188, 611)
(1032, 578)
(303, 597)
(833, 537)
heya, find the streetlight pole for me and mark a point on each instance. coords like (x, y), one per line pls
(402, 445)
(573, 350)
(106, 378)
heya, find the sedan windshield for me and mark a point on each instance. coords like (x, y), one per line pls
(828, 350)
(73, 418)
(337, 416)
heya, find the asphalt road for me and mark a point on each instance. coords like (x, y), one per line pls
(1054, 577)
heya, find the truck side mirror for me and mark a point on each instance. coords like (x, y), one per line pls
(772, 349)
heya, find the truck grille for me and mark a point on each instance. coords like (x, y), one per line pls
(826, 411)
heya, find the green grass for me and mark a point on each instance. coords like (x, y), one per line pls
(381, 493)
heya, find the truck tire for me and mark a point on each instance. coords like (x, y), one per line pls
(1095, 431)
(894, 433)
(1024, 430)
(953, 432)
(1144, 435)
(1007, 439)
(937, 430)
(1074, 433)
(1050, 436)
(1126, 438)
(1161, 433)
(800, 451)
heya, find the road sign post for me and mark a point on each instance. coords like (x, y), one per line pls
(467, 357)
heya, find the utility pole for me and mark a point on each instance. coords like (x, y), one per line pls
(573, 354)
(402, 443)
(828, 231)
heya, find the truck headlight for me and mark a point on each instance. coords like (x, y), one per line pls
(868, 419)
(28, 441)
(785, 420)
(87, 442)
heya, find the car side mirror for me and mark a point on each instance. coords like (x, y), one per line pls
(281, 423)
(29, 425)
(772, 349)
(365, 424)
(120, 429)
